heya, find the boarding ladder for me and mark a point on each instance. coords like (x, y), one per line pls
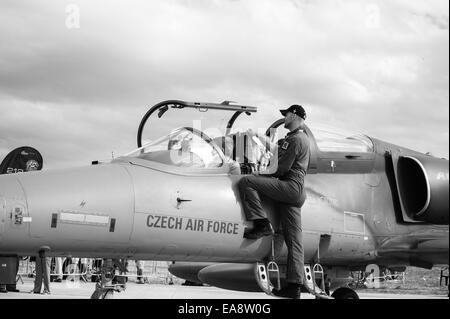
(263, 272)
(315, 277)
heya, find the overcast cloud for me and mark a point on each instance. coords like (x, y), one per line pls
(78, 94)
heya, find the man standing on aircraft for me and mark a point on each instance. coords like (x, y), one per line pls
(286, 187)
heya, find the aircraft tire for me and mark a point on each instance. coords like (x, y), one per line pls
(344, 293)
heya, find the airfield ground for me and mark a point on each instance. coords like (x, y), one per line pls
(417, 284)
(82, 290)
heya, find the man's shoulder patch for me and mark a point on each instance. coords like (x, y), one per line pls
(285, 145)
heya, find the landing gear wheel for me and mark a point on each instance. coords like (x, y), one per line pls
(344, 293)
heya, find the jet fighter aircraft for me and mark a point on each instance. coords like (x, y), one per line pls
(368, 203)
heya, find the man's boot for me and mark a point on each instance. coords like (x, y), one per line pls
(290, 291)
(262, 228)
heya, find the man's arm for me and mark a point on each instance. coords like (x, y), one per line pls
(286, 160)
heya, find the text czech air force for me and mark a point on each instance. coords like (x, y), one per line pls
(192, 224)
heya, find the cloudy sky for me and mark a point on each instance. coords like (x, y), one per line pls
(77, 77)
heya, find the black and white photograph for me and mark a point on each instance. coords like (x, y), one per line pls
(224, 155)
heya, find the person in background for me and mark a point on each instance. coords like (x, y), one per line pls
(140, 271)
(42, 274)
(13, 287)
(58, 269)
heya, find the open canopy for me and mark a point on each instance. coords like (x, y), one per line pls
(215, 118)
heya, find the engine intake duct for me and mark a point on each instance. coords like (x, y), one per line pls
(423, 187)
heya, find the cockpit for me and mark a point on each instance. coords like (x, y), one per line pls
(200, 138)
(183, 147)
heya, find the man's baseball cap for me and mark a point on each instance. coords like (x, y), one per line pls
(296, 109)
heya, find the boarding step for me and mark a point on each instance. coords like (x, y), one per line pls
(262, 278)
(315, 281)
(263, 272)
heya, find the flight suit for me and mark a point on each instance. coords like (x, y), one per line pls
(286, 187)
(291, 223)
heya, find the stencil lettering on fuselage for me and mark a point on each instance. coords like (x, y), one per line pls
(192, 224)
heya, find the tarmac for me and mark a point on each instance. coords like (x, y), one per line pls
(83, 290)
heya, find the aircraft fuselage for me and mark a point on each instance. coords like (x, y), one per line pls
(131, 208)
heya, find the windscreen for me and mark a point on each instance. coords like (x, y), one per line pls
(337, 140)
(331, 139)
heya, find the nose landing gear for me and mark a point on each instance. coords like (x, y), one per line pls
(104, 289)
